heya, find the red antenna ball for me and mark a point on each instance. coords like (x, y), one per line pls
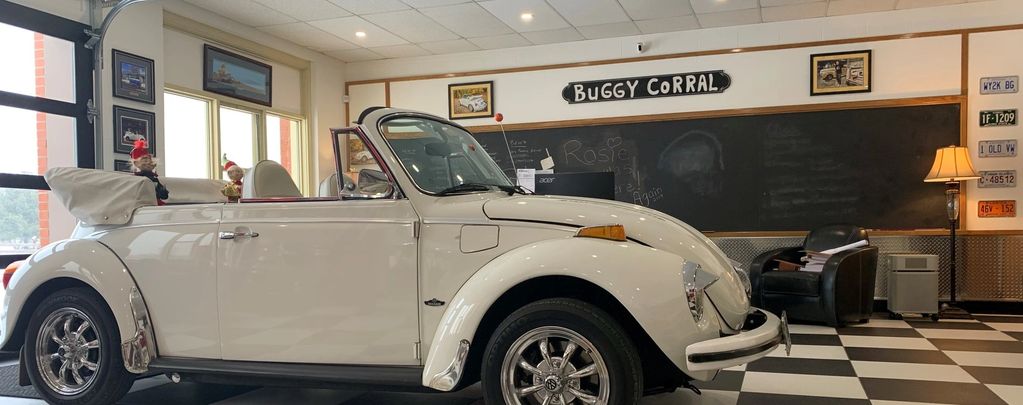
(499, 117)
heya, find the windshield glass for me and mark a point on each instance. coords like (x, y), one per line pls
(439, 156)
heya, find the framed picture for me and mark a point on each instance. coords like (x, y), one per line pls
(133, 77)
(359, 157)
(122, 166)
(840, 73)
(236, 76)
(130, 125)
(471, 100)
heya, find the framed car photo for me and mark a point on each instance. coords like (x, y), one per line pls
(471, 100)
(840, 73)
(131, 125)
(133, 77)
(234, 75)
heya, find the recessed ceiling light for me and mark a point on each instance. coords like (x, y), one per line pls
(360, 34)
(527, 17)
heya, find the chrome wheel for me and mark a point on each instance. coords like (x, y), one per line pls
(68, 351)
(552, 365)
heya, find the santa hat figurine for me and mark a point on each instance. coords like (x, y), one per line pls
(145, 166)
(233, 190)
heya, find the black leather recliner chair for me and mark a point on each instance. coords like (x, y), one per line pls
(842, 293)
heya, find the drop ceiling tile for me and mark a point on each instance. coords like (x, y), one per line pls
(433, 3)
(309, 36)
(843, 7)
(903, 4)
(500, 41)
(247, 12)
(400, 51)
(468, 20)
(453, 46)
(590, 12)
(553, 36)
(306, 10)
(411, 25)
(346, 27)
(795, 11)
(670, 24)
(510, 11)
(738, 17)
(361, 7)
(656, 9)
(355, 55)
(774, 3)
(609, 30)
(717, 6)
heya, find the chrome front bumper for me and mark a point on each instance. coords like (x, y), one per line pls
(761, 334)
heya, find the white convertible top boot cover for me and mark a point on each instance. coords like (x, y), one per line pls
(99, 197)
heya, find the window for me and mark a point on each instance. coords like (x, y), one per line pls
(201, 132)
(45, 84)
(186, 136)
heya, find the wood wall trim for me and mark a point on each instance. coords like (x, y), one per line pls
(387, 94)
(737, 112)
(693, 54)
(914, 232)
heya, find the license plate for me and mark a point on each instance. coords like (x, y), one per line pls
(996, 209)
(999, 148)
(997, 179)
(999, 85)
(998, 118)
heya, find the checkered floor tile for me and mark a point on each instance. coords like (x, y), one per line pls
(978, 361)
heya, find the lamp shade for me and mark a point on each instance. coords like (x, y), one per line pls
(952, 163)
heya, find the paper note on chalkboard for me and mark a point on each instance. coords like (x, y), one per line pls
(526, 178)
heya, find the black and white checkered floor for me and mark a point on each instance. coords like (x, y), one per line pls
(886, 362)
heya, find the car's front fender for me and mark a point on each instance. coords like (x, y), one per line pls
(92, 263)
(646, 281)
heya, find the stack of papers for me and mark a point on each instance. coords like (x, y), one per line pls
(815, 260)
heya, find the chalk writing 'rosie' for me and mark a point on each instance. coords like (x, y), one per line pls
(682, 84)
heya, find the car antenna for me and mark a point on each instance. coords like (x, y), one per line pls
(500, 117)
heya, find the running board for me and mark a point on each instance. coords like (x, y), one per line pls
(397, 378)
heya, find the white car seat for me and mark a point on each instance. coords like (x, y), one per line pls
(268, 179)
(328, 187)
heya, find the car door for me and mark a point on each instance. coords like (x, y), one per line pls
(319, 282)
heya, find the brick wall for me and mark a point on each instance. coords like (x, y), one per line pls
(44, 196)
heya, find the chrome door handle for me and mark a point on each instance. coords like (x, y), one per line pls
(233, 235)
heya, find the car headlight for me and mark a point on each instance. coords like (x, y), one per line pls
(743, 277)
(695, 283)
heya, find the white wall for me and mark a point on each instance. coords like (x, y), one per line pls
(902, 68)
(187, 52)
(993, 54)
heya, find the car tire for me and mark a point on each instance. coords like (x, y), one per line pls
(74, 329)
(601, 345)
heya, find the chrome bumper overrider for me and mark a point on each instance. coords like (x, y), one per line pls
(762, 333)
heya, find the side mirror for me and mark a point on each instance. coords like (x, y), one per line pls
(373, 184)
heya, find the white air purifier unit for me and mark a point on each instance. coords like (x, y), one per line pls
(913, 285)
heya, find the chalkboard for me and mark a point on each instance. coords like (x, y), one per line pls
(791, 171)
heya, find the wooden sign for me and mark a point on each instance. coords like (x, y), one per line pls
(998, 118)
(997, 179)
(999, 85)
(997, 148)
(996, 209)
(681, 84)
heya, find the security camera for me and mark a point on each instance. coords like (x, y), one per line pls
(640, 47)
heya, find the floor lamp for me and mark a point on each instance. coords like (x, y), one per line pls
(952, 166)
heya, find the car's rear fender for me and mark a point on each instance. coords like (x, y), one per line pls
(91, 263)
(646, 281)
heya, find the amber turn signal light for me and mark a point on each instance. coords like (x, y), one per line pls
(609, 232)
(9, 272)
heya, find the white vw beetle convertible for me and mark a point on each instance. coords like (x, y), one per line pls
(429, 272)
